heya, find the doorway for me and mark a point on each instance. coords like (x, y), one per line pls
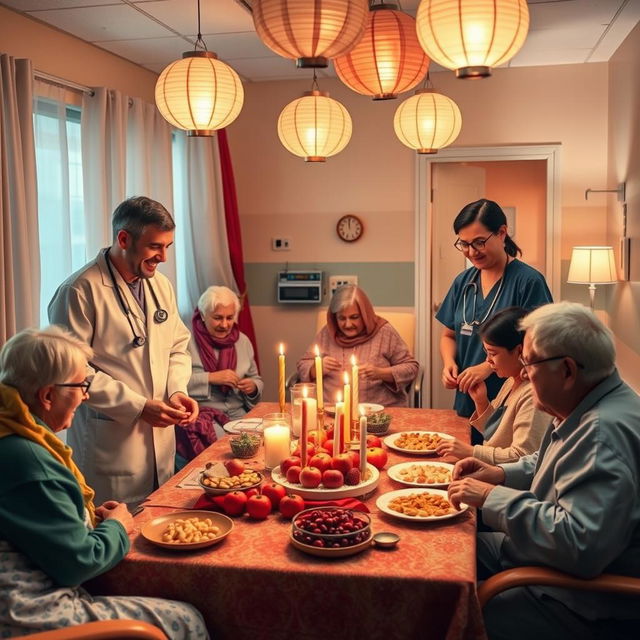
(523, 181)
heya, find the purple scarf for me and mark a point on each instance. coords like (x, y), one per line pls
(227, 358)
(195, 438)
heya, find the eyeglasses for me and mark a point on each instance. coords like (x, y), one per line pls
(535, 362)
(84, 385)
(477, 244)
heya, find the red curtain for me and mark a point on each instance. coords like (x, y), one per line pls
(234, 238)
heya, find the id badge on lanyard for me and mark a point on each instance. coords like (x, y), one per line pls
(466, 329)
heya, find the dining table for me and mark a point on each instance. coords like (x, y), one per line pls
(256, 585)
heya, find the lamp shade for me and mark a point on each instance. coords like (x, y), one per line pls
(199, 93)
(310, 31)
(388, 60)
(592, 265)
(472, 36)
(427, 121)
(314, 126)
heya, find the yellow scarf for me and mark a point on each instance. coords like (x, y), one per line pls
(16, 419)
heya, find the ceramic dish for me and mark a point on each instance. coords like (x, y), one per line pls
(320, 493)
(383, 504)
(244, 424)
(153, 530)
(214, 491)
(394, 473)
(390, 441)
(339, 552)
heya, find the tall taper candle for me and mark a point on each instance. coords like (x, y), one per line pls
(354, 389)
(281, 374)
(347, 412)
(319, 396)
(337, 425)
(304, 428)
(363, 446)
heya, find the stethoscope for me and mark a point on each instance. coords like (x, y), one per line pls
(474, 286)
(160, 315)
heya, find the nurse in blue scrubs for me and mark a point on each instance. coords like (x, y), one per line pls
(497, 279)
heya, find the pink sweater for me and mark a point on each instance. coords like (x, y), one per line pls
(385, 349)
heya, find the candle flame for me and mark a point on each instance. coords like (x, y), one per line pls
(346, 377)
(353, 360)
(338, 397)
(362, 410)
(317, 350)
(305, 391)
(281, 349)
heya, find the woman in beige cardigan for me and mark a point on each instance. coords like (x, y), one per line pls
(511, 424)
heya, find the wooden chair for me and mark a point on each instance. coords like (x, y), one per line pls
(103, 630)
(541, 576)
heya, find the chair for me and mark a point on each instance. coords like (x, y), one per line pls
(523, 576)
(103, 630)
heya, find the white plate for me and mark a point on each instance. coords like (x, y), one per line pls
(320, 493)
(383, 504)
(244, 424)
(394, 473)
(367, 407)
(390, 441)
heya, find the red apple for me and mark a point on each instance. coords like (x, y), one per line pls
(234, 466)
(310, 477)
(332, 479)
(321, 460)
(327, 445)
(258, 507)
(373, 441)
(275, 493)
(290, 505)
(313, 437)
(377, 457)
(342, 462)
(293, 461)
(234, 503)
(355, 457)
(311, 450)
(293, 474)
(252, 492)
(329, 432)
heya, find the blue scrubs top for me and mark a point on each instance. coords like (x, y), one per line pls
(523, 286)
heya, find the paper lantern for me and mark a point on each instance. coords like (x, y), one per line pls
(388, 60)
(472, 36)
(199, 93)
(314, 127)
(427, 121)
(310, 31)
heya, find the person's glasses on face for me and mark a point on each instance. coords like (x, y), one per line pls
(477, 244)
(524, 364)
(84, 385)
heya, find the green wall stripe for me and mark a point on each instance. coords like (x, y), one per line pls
(388, 284)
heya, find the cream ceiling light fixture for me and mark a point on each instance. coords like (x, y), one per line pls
(310, 31)
(388, 60)
(472, 36)
(314, 126)
(427, 121)
(199, 93)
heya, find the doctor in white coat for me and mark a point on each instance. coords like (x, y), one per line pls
(123, 438)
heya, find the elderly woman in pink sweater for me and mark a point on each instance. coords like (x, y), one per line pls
(386, 364)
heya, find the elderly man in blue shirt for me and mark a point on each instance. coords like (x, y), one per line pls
(574, 505)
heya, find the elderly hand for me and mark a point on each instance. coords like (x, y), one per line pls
(474, 468)
(225, 377)
(370, 372)
(112, 510)
(469, 490)
(330, 364)
(159, 414)
(247, 386)
(450, 376)
(478, 393)
(473, 375)
(455, 448)
(181, 401)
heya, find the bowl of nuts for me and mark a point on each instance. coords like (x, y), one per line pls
(245, 445)
(378, 423)
(331, 531)
(214, 481)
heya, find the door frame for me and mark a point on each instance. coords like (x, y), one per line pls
(424, 234)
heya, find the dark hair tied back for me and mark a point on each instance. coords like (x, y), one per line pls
(488, 213)
(503, 329)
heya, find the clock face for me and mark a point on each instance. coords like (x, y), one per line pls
(349, 228)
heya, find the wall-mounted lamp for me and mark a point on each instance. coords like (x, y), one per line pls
(592, 266)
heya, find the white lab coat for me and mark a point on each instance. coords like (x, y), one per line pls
(118, 453)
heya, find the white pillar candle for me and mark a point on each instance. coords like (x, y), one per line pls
(363, 445)
(276, 445)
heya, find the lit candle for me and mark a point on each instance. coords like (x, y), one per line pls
(337, 427)
(281, 381)
(319, 379)
(354, 388)
(363, 444)
(276, 445)
(347, 412)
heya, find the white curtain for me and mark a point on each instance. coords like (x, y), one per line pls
(201, 236)
(126, 149)
(19, 258)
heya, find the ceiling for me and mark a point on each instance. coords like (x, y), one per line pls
(153, 33)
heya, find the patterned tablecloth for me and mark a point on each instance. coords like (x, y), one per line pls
(255, 585)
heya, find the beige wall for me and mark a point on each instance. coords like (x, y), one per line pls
(624, 165)
(59, 54)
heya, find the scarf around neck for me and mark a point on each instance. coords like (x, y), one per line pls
(16, 419)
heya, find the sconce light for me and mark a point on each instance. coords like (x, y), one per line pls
(592, 266)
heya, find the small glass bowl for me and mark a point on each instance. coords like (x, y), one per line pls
(315, 527)
(245, 445)
(378, 423)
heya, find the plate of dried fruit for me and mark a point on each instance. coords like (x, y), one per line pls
(421, 474)
(419, 506)
(416, 442)
(187, 530)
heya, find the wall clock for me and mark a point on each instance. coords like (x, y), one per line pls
(349, 228)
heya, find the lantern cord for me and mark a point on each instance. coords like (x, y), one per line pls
(199, 41)
(314, 84)
(427, 84)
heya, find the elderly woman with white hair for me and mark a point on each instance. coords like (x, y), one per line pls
(224, 379)
(52, 537)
